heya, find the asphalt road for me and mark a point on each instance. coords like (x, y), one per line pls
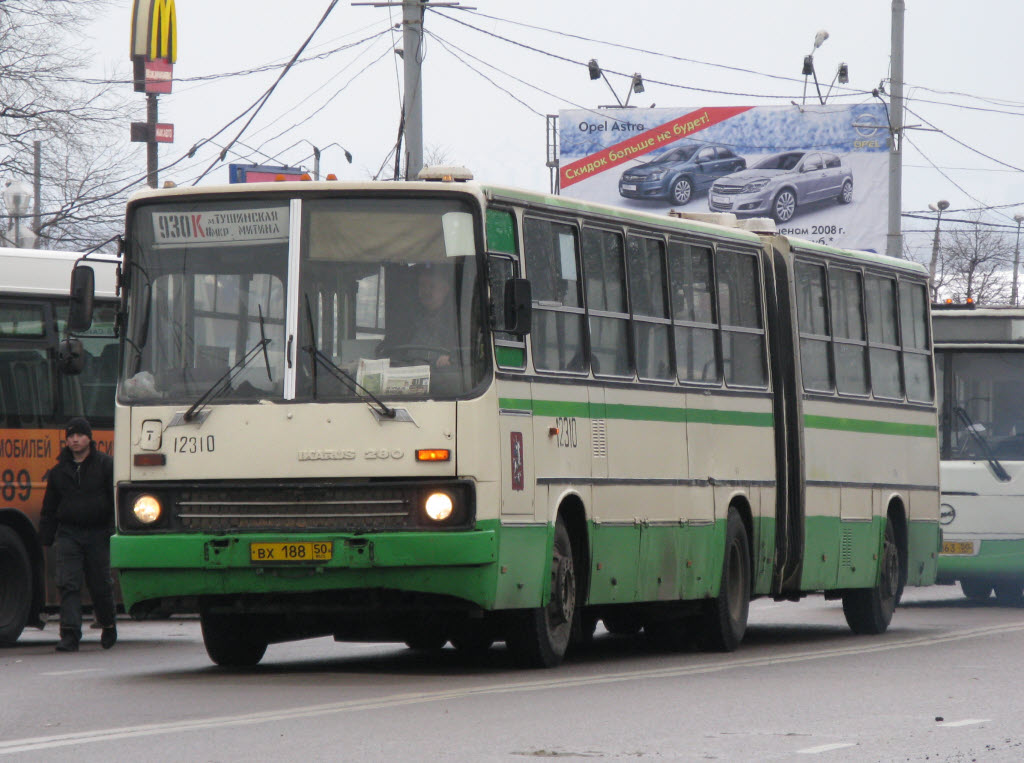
(941, 685)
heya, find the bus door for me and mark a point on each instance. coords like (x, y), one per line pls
(787, 404)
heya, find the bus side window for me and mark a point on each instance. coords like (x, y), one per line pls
(557, 336)
(916, 359)
(693, 312)
(846, 298)
(604, 268)
(883, 337)
(739, 304)
(651, 324)
(812, 319)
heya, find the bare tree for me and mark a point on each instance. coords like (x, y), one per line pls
(973, 264)
(81, 125)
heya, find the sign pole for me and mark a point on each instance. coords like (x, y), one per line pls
(152, 157)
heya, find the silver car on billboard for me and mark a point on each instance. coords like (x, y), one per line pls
(778, 185)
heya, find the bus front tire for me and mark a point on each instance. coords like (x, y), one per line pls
(868, 611)
(1009, 594)
(232, 641)
(15, 586)
(725, 621)
(538, 637)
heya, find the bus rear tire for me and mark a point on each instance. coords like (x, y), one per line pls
(538, 638)
(869, 611)
(232, 641)
(976, 590)
(15, 586)
(725, 622)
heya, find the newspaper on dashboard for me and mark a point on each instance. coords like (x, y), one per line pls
(378, 377)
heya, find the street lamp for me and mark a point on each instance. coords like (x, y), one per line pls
(808, 70)
(636, 83)
(938, 207)
(1019, 218)
(17, 196)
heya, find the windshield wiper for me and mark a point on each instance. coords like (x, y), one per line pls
(986, 451)
(224, 382)
(317, 356)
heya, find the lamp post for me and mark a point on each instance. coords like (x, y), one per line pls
(636, 84)
(938, 207)
(1019, 218)
(17, 196)
(808, 70)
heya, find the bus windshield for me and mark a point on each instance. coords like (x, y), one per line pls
(374, 296)
(986, 405)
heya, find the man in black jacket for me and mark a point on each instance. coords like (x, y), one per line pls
(78, 518)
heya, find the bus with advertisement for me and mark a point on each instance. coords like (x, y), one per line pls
(979, 363)
(37, 398)
(646, 420)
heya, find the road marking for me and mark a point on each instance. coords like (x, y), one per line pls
(967, 722)
(31, 744)
(824, 748)
(69, 672)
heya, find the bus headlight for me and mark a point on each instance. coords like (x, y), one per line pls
(439, 506)
(147, 509)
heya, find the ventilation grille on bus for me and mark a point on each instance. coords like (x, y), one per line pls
(599, 437)
(846, 548)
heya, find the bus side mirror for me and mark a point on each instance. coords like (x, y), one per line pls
(518, 306)
(83, 289)
(70, 357)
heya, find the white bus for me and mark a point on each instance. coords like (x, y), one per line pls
(36, 400)
(979, 360)
(625, 417)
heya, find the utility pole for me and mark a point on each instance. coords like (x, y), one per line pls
(37, 187)
(894, 239)
(412, 39)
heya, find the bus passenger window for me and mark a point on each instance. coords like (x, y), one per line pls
(917, 367)
(650, 309)
(846, 297)
(812, 319)
(693, 312)
(605, 271)
(558, 318)
(739, 303)
(883, 337)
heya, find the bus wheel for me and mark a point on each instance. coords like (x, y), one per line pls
(725, 621)
(869, 610)
(232, 640)
(976, 590)
(1009, 594)
(15, 586)
(539, 637)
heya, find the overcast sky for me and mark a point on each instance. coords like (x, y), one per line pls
(492, 73)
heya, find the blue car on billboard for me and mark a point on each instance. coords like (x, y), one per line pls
(679, 174)
(779, 184)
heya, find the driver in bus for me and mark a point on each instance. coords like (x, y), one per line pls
(432, 319)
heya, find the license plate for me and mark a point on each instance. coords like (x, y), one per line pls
(291, 553)
(628, 187)
(958, 546)
(722, 200)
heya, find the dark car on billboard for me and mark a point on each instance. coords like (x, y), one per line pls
(779, 184)
(679, 174)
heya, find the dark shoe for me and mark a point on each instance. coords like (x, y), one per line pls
(68, 642)
(109, 637)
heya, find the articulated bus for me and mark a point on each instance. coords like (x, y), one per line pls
(36, 400)
(627, 417)
(979, 360)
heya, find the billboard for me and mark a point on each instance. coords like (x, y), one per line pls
(820, 171)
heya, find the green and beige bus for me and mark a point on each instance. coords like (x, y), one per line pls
(618, 416)
(979, 359)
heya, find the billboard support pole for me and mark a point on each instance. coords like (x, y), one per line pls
(152, 157)
(894, 239)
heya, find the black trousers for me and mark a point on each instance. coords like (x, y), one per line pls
(83, 560)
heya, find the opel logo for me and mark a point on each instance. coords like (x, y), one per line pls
(946, 514)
